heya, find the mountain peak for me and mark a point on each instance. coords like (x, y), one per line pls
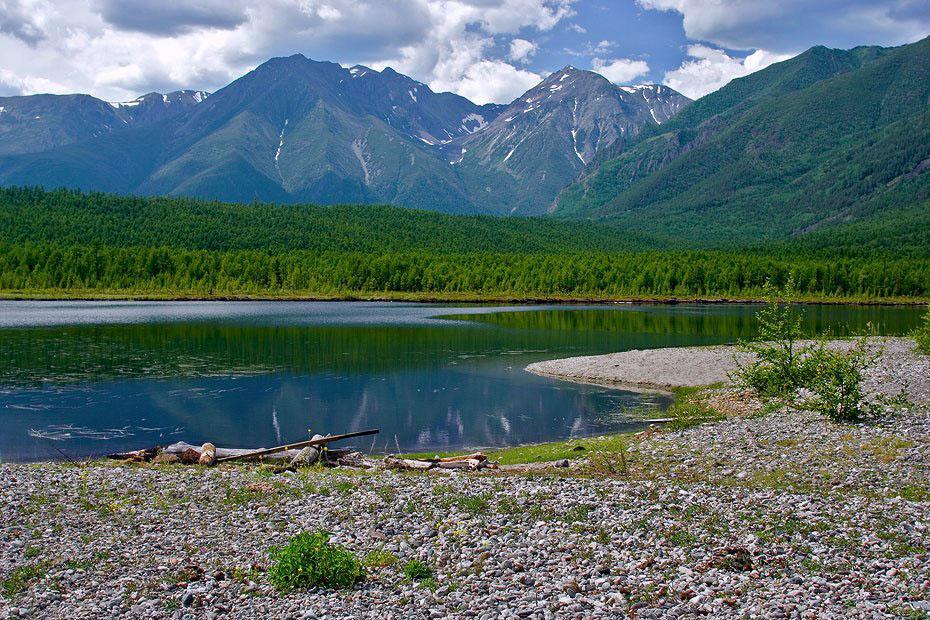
(360, 71)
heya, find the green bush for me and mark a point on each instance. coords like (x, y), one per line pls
(415, 570)
(309, 560)
(922, 335)
(782, 366)
(778, 368)
(836, 381)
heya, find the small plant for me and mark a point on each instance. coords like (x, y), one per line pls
(309, 560)
(380, 558)
(836, 381)
(415, 570)
(777, 369)
(430, 584)
(782, 366)
(922, 335)
(21, 577)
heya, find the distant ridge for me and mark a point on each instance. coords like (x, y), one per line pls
(299, 130)
(827, 138)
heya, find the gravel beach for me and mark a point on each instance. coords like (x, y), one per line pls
(773, 514)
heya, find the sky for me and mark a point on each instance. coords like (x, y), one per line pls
(486, 50)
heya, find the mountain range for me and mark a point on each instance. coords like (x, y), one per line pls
(831, 145)
(299, 130)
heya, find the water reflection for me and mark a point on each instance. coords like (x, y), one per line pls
(130, 375)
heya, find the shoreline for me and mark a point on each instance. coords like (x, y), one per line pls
(765, 512)
(440, 298)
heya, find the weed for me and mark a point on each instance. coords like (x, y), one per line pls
(21, 577)
(415, 570)
(380, 558)
(473, 504)
(430, 584)
(309, 560)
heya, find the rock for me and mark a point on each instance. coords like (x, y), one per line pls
(207, 454)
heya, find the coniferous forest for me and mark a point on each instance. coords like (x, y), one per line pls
(67, 243)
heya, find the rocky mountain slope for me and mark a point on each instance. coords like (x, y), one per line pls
(542, 141)
(37, 123)
(298, 130)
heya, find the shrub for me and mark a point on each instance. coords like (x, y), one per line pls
(836, 381)
(922, 335)
(777, 369)
(309, 560)
(782, 365)
(415, 570)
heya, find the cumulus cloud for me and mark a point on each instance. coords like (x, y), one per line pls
(167, 17)
(708, 69)
(19, 20)
(116, 49)
(620, 70)
(490, 81)
(791, 26)
(522, 50)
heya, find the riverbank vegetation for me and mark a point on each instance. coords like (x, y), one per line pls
(782, 364)
(922, 335)
(68, 244)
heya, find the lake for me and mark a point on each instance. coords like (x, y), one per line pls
(82, 379)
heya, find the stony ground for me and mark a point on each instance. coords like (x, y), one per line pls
(772, 513)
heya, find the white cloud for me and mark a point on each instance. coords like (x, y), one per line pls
(620, 70)
(791, 26)
(490, 81)
(708, 69)
(117, 49)
(522, 50)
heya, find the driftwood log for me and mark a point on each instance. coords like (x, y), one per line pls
(321, 441)
(181, 447)
(469, 462)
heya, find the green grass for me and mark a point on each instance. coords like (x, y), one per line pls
(415, 570)
(22, 577)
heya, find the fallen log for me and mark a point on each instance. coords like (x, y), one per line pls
(392, 462)
(477, 456)
(253, 454)
(180, 447)
(136, 456)
(469, 462)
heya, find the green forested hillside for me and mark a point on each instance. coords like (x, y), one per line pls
(66, 243)
(825, 138)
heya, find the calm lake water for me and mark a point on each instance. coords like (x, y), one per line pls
(88, 378)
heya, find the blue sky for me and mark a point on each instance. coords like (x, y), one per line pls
(487, 50)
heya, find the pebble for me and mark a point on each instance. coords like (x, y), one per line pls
(834, 521)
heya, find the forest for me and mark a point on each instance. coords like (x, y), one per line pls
(65, 243)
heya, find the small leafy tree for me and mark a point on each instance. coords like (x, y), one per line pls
(309, 560)
(836, 381)
(922, 335)
(782, 365)
(777, 369)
